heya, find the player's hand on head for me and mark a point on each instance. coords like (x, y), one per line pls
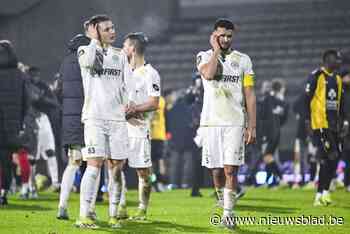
(214, 41)
(92, 31)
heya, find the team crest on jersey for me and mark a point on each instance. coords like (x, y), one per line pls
(199, 59)
(156, 87)
(115, 58)
(235, 59)
(235, 64)
(81, 52)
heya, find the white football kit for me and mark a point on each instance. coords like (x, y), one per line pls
(106, 80)
(147, 84)
(223, 117)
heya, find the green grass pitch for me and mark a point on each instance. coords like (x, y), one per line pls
(176, 212)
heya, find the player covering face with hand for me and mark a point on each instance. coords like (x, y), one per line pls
(228, 118)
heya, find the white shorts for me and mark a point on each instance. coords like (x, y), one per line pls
(46, 141)
(222, 146)
(75, 154)
(105, 139)
(140, 153)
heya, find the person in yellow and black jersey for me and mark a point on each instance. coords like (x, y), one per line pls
(323, 100)
(158, 136)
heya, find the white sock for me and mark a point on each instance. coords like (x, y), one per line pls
(31, 182)
(93, 201)
(325, 192)
(144, 193)
(25, 188)
(87, 188)
(53, 169)
(114, 190)
(318, 196)
(220, 194)
(123, 192)
(297, 170)
(67, 184)
(229, 200)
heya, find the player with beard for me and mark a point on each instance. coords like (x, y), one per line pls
(228, 118)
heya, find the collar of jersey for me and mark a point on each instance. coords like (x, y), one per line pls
(327, 72)
(229, 51)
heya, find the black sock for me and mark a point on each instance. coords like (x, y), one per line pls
(313, 169)
(275, 170)
(268, 171)
(323, 176)
(331, 169)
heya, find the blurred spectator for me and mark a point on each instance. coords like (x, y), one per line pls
(158, 131)
(303, 153)
(42, 104)
(273, 115)
(179, 119)
(12, 105)
(345, 133)
(194, 96)
(55, 114)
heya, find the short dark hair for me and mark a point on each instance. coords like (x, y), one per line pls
(139, 40)
(276, 85)
(33, 70)
(329, 53)
(97, 19)
(224, 23)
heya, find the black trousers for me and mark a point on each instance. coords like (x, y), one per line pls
(197, 171)
(328, 154)
(6, 167)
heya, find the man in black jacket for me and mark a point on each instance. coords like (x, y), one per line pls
(273, 115)
(42, 100)
(72, 128)
(13, 108)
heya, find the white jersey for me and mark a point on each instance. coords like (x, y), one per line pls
(105, 74)
(224, 103)
(147, 84)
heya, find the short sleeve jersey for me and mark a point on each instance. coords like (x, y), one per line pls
(223, 101)
(146, 81)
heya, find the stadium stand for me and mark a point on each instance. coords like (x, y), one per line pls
(283, 39)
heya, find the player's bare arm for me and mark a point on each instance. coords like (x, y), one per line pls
(208, 70)
(249, 94)
(151, 104)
